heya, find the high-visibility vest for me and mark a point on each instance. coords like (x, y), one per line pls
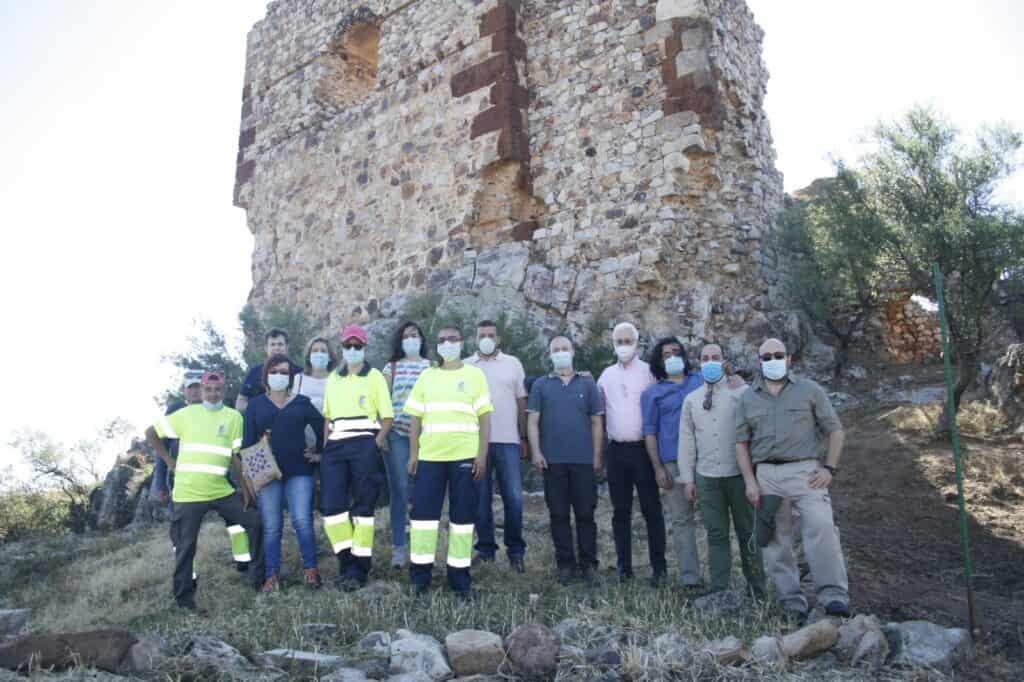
(354, 404)
(449, 404)
(208, 439)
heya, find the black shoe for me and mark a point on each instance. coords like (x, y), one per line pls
(485, 558)
(625, 576)
(565, 575)
(420, 590)
(187, 605)
(346, 584)
(517, 564)
(838, 609)
(657, 579)
(242, 566)
(796, 618)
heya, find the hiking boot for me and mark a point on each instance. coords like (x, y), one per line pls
(312, 579)
(837, 609)
(397, 557)
(517, 564)
(565, 575)
(271, 584)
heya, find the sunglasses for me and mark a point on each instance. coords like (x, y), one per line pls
(279, 371)
(352, 346)
(449, 339)
(215, 378)
(767, 357)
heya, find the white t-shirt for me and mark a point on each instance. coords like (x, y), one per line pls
(312, 388)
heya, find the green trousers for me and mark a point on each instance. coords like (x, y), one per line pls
(720, 498)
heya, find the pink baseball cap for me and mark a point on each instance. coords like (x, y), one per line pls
(213, 378)
(353, 331)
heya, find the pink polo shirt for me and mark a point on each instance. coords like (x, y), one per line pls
(621, 387)
(506, 380)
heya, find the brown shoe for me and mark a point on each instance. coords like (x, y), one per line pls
(272, 584)
(312, 578)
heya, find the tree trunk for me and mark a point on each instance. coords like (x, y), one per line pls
(968, 372)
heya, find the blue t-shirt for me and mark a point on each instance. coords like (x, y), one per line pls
(253, 384)
(661, 405)
(565, 412)
(287, 428)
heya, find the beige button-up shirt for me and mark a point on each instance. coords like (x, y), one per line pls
(785, 427)
(707, 438)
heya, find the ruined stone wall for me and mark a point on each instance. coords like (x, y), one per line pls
(910, 333)
(558, 158)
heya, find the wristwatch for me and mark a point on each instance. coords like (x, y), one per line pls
(831, 469)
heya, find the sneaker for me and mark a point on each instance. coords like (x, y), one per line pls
(565, 575)
(397, 557)
(517, 564)
(312, 579)
(272, 584)
(838, 609)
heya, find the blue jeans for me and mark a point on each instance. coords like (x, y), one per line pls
(397, 464)
(299, 492)
(503, 460)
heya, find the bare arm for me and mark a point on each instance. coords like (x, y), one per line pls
(382, 435)
(241, 402)
(835, 447)
(524, 441)
(597, 438)
(480, 463)
(533, 432)
(158, 447)
(414, 444)
(747, 469)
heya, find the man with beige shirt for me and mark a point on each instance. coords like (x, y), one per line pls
(709, 473)
(777, 430)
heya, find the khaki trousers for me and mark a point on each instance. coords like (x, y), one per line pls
(679, 515)
(817, 531)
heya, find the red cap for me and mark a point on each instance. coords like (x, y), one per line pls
(212, 379)
(353, 331)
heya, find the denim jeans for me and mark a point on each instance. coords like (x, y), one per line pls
(299, 492)
(397, 464)
(503, 460)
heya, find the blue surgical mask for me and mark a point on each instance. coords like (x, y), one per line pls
(277, 382)
(213, 407)
(319, 359)
(412, 345)
(675, 366)
(353, 356)
(774, 370)
(712, 371)
(561, 359)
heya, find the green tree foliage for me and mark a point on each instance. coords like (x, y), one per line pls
(594, 350)
(256, 323)
(834, 270)
(1011, 299)
(936, 196)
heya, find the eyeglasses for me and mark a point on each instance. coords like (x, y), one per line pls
(352, 346)
(279, 371)
(778, 355)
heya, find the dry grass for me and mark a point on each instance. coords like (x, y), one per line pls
(976, 419)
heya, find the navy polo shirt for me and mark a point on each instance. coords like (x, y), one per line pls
(661, 405)
(565, 411)
(253, 384)
(287, 426)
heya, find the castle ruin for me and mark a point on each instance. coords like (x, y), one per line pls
(558, 158)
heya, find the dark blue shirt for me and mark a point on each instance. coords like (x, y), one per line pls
(565, 411)
(161, 477)
(252, 386)
(287, 428)
(661, 405)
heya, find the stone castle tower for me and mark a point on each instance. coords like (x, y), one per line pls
(554, 157)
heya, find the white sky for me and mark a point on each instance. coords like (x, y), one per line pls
(118, 135)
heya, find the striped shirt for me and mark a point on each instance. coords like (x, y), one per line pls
(406, 374)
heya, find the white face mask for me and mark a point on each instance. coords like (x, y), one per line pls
(319, 359)
(561, 359)
(277, 382)
(213, 407)
(353, 356)
(412, 345)
(774, 370)
(450, 350)
(625, 353)
(487, 345)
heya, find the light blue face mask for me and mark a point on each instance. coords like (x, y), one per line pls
(561, 359)
(353, 356)
(213, 407)
(277, 382)
(675, 366)
(319, 359)
(711, 371)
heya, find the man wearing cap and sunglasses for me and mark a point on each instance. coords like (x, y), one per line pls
(210, 436)
(777, 425)
(358, 413)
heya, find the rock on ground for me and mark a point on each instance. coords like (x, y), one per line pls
(727, 651)
(224, 658)
(474, 652)
(13, 621)
(378, 643)
(672, 649)
(345, 675)
(533, 650)
(873, 650)
(106, 650)
(851, 633)
(411, 653)
(726, 601)
(768, 652)
(147, 653)
(302, 662)
(927, 645)
(809, 641)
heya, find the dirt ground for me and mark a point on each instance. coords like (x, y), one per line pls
(895, 503)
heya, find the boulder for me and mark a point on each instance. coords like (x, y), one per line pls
(678, 9)
(852, 631)
(767, 651)
(672, 650)
(412, 653)
(418, 676)
(377, 643)
(224, 658)
(301, 662)
(106, 650)
(320, 630)
(727, 651)
(112, 506)
(474, 652)
(13, 621)
(533, 650)
(1006, 384)
(345, 675)
(927, 645)
(872, 651)
(809, 641)
(726, 601)
(147, 653)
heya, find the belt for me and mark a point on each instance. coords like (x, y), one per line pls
(785, 461)
(626, 442)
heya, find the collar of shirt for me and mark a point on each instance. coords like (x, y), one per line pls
(476, 357)
(761, 385)
(365, 370)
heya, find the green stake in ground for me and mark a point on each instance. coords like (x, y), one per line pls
(957, 452)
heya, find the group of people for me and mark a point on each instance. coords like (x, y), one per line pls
(692, 433)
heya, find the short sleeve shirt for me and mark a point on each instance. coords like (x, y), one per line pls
(785, 427)
(406, 374)
(661, 404)
(207, 441)
(506, 380)
(449, 402)
(621, 387)
(565, 410)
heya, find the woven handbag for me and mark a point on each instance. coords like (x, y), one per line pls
(259, 465)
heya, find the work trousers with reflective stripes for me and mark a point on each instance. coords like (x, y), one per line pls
(188, 519)
(237, 537)
(348, 520)
(433, 480)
